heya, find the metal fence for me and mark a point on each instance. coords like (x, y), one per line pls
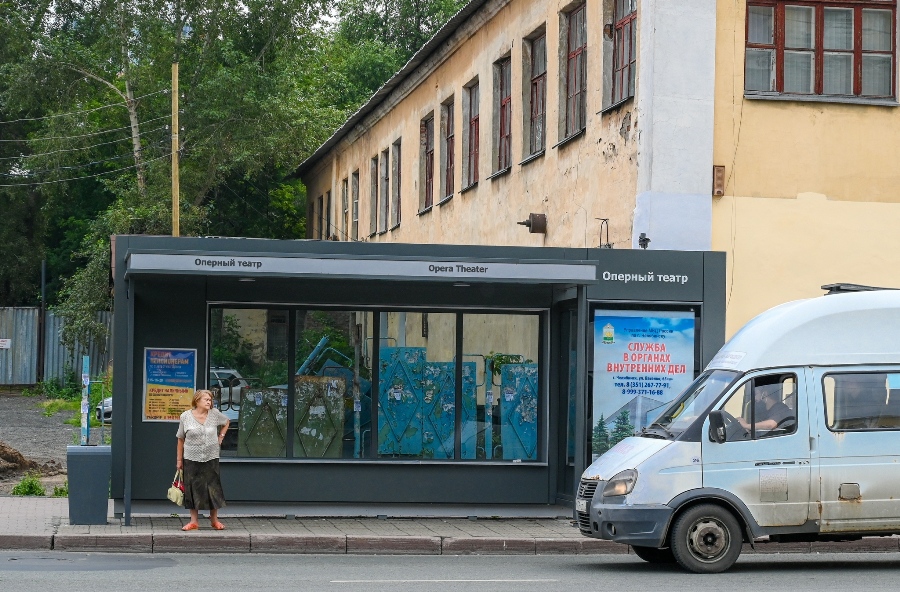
(20, 356)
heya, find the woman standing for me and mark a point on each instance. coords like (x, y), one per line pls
(200, 435)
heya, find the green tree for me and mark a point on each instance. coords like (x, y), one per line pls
(622, 429)
(600, 437)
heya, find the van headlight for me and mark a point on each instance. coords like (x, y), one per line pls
(622, 483)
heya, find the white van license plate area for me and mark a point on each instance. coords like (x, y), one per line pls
(581, 505)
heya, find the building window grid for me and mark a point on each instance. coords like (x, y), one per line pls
(354, 189)
(395, 187)
(320, 209)
(385, 178)
(327, 216)
(576, 71)
(373, 210)
(345, 207)
(821, 48)
(449, 147)
(428, 154)
(624, 49)
(472, 155)
(504, 157)
(538, 118)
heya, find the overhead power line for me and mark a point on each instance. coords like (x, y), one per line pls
(118, 129)
(119, 104)
(146, 162)
(61, 150)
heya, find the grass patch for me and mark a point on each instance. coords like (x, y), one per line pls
(30, 485)
(54, 406)
(61, 490)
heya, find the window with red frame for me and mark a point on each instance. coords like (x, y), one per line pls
(472, 153)
(449, 147)
(538, 94)
(428, 144)
(830, 47)
(576, 70)
(504, 108)
(624, 50)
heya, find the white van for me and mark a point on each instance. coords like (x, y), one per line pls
(792, 433)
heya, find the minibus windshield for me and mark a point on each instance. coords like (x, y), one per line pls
(696, 399)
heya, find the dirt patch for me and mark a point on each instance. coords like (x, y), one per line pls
(31, 441)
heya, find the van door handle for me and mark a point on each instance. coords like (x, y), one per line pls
(812, 444)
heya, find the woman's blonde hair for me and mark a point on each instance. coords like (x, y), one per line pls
(198, 395)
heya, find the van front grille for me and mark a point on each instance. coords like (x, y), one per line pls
(586, 490)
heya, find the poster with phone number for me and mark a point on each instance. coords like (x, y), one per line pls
(170, 380)
(642, 360)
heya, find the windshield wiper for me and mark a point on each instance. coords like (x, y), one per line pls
(656, 424)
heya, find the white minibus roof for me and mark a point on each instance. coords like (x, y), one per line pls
(854, 328)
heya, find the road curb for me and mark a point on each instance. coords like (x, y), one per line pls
(298, 543)
(125, 542)
(393, 545)
(26, 542)
(487, 546)
(198, 542)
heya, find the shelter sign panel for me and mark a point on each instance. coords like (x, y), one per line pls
(642, 360)
(170, 379)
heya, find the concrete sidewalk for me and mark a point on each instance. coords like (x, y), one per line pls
(32, 523)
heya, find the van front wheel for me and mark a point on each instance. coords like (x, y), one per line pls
(706, 539)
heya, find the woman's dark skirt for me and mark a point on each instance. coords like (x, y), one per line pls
(202, 486)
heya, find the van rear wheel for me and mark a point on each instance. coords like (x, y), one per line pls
(706, 539)
(654, 555)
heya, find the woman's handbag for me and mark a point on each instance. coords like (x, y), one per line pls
(176, 492)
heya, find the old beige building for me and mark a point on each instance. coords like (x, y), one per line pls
(580, 112)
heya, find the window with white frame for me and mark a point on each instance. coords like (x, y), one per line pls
(829, 48)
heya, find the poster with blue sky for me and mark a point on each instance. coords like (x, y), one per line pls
(642, 360)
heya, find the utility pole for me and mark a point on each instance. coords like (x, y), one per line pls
(176, 222)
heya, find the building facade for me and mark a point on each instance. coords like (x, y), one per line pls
(807, 133)
(597, 114)
(762, 128)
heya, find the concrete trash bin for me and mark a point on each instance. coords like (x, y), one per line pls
(89, 472)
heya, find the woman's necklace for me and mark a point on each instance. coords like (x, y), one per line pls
(201, 418)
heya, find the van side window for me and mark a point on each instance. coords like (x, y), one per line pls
(862, 401)
(763, 407)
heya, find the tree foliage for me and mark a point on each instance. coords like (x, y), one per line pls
(84, 109)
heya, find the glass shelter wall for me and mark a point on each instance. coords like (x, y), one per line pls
(383, 384)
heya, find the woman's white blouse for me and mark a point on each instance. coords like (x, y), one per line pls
(201, 440)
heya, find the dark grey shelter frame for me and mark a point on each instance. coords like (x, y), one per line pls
(164, 287)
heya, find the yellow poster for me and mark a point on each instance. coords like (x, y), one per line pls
(170, 379)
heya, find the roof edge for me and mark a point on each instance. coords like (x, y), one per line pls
(392, 83)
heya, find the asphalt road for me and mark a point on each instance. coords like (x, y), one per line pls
(77, 572)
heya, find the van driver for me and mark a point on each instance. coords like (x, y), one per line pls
(769, 410)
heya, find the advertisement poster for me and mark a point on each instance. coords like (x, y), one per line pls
(642, 360)
(170, 378)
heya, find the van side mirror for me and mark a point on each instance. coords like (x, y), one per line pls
(717, 427)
